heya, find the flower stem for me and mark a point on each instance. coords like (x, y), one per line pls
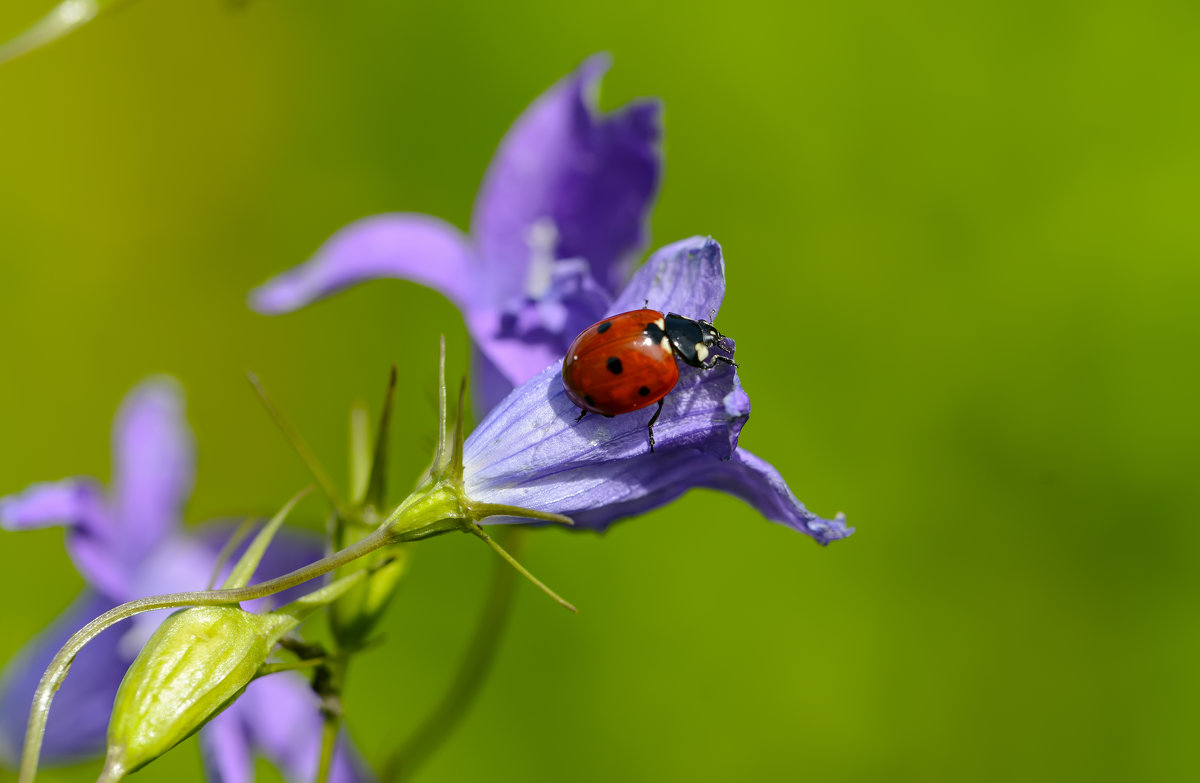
(331, 724)
(472, 673)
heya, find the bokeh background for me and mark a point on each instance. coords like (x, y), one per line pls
(962, 246)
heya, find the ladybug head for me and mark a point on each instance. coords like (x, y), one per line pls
(711, 336)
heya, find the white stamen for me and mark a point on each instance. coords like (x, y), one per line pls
(542, 238)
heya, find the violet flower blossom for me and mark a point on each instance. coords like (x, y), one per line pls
(129, 543)
(531, 452)
(559, 218)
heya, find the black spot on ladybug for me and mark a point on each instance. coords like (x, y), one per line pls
(604, 327)
(644, 391)
(653, 332)
(589, 400)
(614, 365)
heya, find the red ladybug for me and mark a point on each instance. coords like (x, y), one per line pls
(627, 362)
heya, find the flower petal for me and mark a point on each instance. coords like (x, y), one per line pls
(531, 452)
(225, 748)
(78, 722)
(522, 339)
(413, 247)
(685, 277)
(746, 476)
(489, 386)
(72, 503)
(79, 505)
(281, 717)
(592, 176)
(153, 466)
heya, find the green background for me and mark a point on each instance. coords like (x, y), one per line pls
(962, 250)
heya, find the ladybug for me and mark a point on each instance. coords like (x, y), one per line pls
(627, 362)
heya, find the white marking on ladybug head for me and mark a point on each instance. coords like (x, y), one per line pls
(701, 351)
(661, 323)
(666, 344)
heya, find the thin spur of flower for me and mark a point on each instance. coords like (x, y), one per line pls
(66, 17)
(439, 506)
(559, 217)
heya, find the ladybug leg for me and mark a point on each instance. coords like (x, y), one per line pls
(717, 358)
(650, 426)
(582, 413)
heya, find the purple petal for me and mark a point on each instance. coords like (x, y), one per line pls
(413, 247)
(72, 503)
(523, 338)
(279, 717)
(92, 539)
(225, 748)
(757, 482)
(489, 386)
(153, 455)
(530, 452)
(745, 476)
(79, 718)
(592, 176)
(686, 277)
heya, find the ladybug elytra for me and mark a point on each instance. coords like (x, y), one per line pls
(627, 362)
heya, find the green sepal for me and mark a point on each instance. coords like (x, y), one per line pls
(353, 618)
(247, 564)
(440, 503)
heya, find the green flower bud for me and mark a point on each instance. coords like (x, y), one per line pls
(196, 663)
(353, 618)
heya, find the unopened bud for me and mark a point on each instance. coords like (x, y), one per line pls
(196, 663)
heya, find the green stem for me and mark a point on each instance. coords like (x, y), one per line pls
(331, 724)
(472, 673)
(56, 672)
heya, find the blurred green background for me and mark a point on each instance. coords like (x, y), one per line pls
(962, 252)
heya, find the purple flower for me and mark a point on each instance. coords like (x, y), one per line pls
(530, 451)
(129, 543)
(559, 218)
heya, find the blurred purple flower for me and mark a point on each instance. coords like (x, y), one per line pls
(130, 543)
(530, 452)
(559, 218)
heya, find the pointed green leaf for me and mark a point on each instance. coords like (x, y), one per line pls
(246, 566)
(226, 552)
(298, 444)
(360, 451)
(377, 487)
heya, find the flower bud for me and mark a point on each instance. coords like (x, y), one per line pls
(196, 663)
